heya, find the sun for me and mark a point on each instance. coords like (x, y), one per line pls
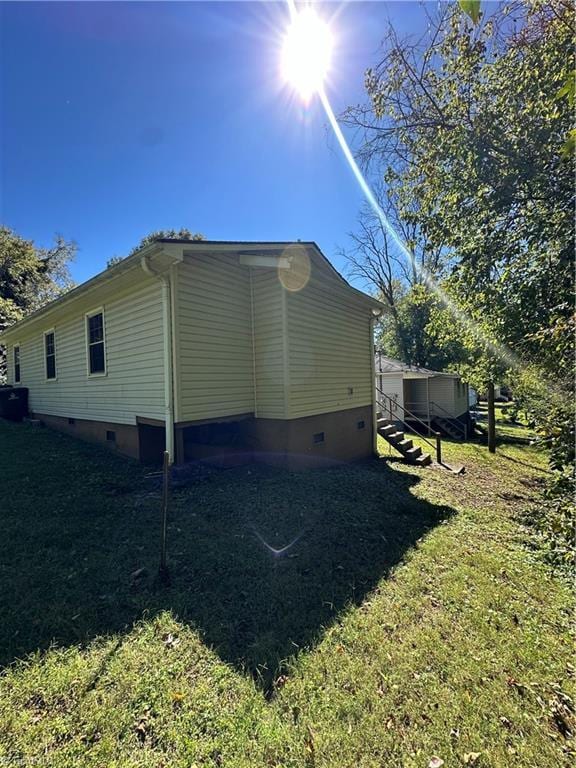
(307, 53)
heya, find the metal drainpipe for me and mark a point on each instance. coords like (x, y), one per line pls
(167, 331)
(373, 384)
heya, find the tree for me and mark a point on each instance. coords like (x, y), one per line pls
(478, 114)
(113, 260)
(400, 283)
(481, 113)
(30, 277)
(181, 234)
(484, 135)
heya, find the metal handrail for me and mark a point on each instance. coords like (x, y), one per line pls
(459, 426)
(394, 404)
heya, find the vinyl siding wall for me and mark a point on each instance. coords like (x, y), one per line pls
(269, 344)
(451, 394)
(445, 400)
(214, 369)
(393, 386)
(134, 381)
(245, 344)
(442, 394)
(329, 348)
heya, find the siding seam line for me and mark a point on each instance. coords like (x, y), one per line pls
(285, 352)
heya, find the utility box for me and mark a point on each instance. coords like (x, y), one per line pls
(13, 403)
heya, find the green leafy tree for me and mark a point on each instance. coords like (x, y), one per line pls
(418, 335)
(177, 234)
(480, 112)
(180, 234)
(30, 277)
(399, 282)
(484, 135)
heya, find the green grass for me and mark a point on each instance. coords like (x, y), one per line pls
(410, 619)
(508, 429)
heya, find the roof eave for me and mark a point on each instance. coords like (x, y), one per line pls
(107, 275)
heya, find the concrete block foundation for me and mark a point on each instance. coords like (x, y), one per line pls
(312, 441)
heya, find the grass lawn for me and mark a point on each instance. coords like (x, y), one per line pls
(407, 619)
(507, 429)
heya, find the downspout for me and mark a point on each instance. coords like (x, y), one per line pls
(168, 369)
(372, 323)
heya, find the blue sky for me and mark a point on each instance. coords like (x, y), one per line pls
(122, 118)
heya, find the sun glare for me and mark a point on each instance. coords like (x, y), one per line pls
(306, 58)
(306, 53)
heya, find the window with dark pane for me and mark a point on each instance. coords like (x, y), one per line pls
(17, 364)
(50, 354)
(96, 328)
(96, 354)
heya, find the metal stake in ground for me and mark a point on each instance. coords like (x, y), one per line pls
(163, 570)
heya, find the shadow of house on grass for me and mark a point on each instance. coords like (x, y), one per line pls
(261, 560)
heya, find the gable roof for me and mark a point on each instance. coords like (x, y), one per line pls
(271, 247)
(214, 246)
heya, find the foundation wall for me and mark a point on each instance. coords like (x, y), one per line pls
(126, 437)
(328, 438)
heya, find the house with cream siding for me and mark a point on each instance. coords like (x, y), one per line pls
(410, 393)
(207, 349)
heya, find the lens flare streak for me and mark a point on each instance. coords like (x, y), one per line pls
(276, 553)
(497, 349)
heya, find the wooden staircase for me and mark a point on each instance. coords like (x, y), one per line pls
(456, 433)
(395, 437)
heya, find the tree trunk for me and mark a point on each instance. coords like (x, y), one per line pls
(491, 419)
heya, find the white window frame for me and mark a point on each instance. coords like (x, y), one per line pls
(46, 333)
(17, 346)
(87, 316)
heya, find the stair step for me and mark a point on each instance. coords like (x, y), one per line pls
(381, 423)
(450, 429)
(413, 453)
(406, 447)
